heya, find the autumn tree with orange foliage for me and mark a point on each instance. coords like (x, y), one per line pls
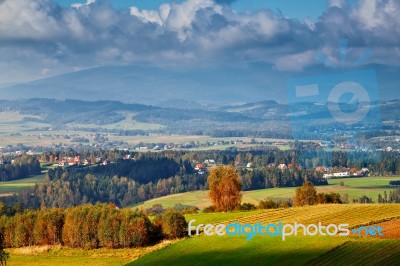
(225, 188)
(305, 195)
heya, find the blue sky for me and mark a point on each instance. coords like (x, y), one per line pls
(291, 8)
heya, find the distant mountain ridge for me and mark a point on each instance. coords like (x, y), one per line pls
(189, 87)
(145, 85)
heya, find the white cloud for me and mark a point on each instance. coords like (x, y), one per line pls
(151, 16)
(28, 19)
(377, 13)
(42, 35)
(295, 62)
(336, 3)
(79, 5)
(267, 25)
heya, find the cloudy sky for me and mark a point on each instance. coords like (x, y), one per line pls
(43, 38)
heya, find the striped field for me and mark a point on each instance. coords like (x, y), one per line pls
(295, 250)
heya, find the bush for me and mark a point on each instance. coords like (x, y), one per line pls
(209, 209)
(284, 204)
(394, 183)
(173, 224)
(156, 233)
(155, 209)
(363, 199)
(247, 207)
(268, 204)
(185, 209)
(325, 198)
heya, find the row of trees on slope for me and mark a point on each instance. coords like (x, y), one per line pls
(90, 226)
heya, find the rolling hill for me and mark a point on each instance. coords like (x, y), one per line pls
(300, 250)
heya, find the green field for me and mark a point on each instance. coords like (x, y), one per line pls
(366, 252)
(63, 256)
(273, 251)
(221, 216)
(353, 187)
(39, 260)
(18, 185)
(299, 250)
(237, 251)
(261, 250)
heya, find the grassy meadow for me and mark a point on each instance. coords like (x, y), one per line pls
(353, 187)
(299, 250)
(64, 256)
(18, 185)
(261, 250)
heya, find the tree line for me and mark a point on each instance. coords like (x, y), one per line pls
(90, 226)
(122, 191)
(142, 170)
(148, 175)
(267, 177)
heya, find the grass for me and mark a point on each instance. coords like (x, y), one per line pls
(57, 255)
(366, 252)
(352, 214)
(219, 216)
(353, 187)
(39, 260)
(195, 198)
(364, 182)
(300, 250)
(227, 250)
(18, 185)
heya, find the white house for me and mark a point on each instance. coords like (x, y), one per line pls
(341, 174)
(282, 166)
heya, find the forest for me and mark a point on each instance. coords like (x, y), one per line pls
(126, 182)
(20, 167)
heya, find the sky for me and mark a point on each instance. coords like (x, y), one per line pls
(44, 38)
(290, 8)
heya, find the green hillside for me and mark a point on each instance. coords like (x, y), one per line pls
(300, 250)
(353, 187)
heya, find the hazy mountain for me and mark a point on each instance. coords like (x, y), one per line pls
(190, 88)
(181, 104)
(147, 85)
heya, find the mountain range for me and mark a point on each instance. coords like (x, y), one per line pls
(164, 87)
